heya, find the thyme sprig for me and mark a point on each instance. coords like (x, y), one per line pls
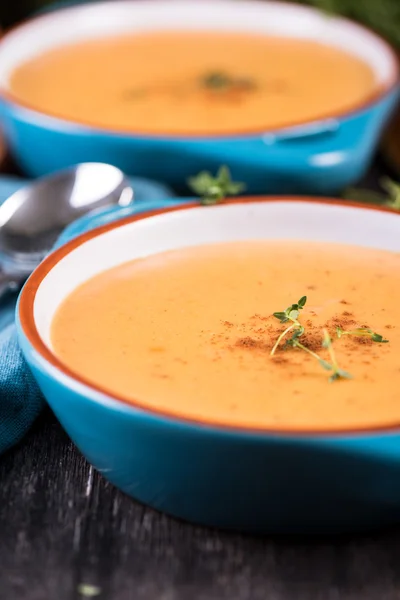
(220, 81)
(291, 314)
(297, 329)
(214, 189)
(338, 373)
(390, 199)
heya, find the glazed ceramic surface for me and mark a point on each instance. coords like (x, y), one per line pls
(257, 481)
(318, 157)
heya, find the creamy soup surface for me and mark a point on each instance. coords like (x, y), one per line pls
(197, 82)
(189, 332)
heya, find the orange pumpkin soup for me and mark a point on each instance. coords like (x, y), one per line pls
(190, 332)
(197, 82)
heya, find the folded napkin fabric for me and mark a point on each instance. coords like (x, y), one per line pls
(20, 398)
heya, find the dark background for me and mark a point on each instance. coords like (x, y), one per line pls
(381, 15)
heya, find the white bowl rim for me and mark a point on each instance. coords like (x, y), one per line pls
(28, 322)
(364, 38)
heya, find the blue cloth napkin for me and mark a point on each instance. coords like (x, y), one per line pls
(20, 398)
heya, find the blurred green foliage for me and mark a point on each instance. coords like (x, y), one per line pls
(381, 15)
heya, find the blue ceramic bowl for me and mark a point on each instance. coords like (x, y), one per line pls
(255, 481)
(318, 157)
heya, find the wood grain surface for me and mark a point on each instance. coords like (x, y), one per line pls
(63, 526)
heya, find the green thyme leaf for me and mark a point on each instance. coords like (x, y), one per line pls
(88, 591)
(362, 332)
(339, 374)
(376, 337)
(281, 316)
(302, 302)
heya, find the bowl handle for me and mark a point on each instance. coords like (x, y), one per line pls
(302, 132)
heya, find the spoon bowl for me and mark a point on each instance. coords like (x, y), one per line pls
(32, 218)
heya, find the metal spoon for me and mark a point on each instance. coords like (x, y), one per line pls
(33, 217)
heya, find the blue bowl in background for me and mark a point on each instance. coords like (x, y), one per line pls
(260, 481)
(319, 157)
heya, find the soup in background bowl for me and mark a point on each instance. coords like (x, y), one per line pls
(151, 339)
(288, 98)
(207, 83)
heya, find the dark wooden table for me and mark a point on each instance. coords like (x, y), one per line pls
(62, 525)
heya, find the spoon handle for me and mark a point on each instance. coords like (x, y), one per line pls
(8, 284)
